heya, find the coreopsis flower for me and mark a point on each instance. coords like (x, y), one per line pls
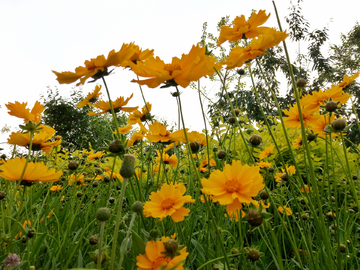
(278, 177)
(168, 201)
(123, 130)
(40, 140)
(158, 133)
(77, 179)
(96, 155)
(297, 143)
(204, 164)
(235, 185)
(56, 188)
(238, 56)
(155, 257)
(318, 126)
(195, 136)
(97, 67)
(263, 164)
(285, 210)
(118, 105)
(293, 119)
(172, 160)
(19, 110)
(307, 189)
(138, 55)
(291, 169)
(136, 136)
(142, 116)
(264, 154)
(113, 175)
(242, 28)
(347, 80)
(191, 67)
(234, 215)
(91, 98)
(35, 172)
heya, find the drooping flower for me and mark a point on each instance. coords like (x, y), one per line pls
(56, 188)
(154, 257)
(242, 28)
(264, 154)
(118, 105)
(293, 119)
(123, 130)
(142, 116)
(191, 67)
(13, 168)
(285, 210)
(19, 110)
(168, 201)
(235, 185)
(238, 56)
(91, 98)
(347, 80)
(97, 67)
(172, 160)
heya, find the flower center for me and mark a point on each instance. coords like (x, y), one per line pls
(232, 186)
(167, 203)
(160, 261)
(171, 68)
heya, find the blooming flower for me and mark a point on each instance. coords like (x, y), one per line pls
(307, 189)
(168, 201)
(238, 56)
(264, 154)
(172, 160)
(285, 210)
(140, 116)
(235, 185)
(297, 143)
(242, 28)
(123, 130)
(97, 67)
(78, 179)
(319, 125)
(96, 155)
(136, 136)
(154, 257)
(138, 55)
(191, 67)
(158, 133)
(118, 105)
(91, 97)
(108, 173)
(347, 80)
(293, 119)
(13, 168)
(263, 164)
(56, 188)
(203, 166)
(19, 110)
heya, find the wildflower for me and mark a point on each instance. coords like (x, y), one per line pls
(118, 105)
(263, 164)
(195, 136)
(285, 210)
(138, 55)
(318, 126)
(124, 130)
(78, 179)
(242, 28)
(11, 261)
(268, 150)
(168, 201)
(19, 110)
(204, 163)
(158, 133)
(13, 168)
(97, 155)
(172, 160)
(307, 189)
(139, 172)
(56, 188)
(97, 67)
(191, 67)
(142, 116)
(238, 56)
(298, 142)
(278, 177)
(235, 185)
(114, 176)
(291, 169)
(91, 97)
(136, 136)
(347, 80)
(293, 119)
(234, 215)
(155, 256)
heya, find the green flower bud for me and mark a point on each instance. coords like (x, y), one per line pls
(138, 207)
(254, 217)
(116, 146)
(103, 214)
(254, 255)
(255, 139)
(171, 246)
(128, 166)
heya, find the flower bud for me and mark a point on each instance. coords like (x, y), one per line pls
(138, 207)
(271, 169)
(342, 248)
(310, 137)
(31, 233)
(128, 166)
(331, 106)
(195, 146)
(96, 257)
(338, 124)
(2, 194)
(237, 112)
(103, 214)
(284, 176)
(116, 146)
(255, 139)
(111, 200)
(73, 165)
(254, 255)
(95, 184)
(254, 217)
(221, 154)
(301, 82)
(98, 170)
(93, 240)
(264, 195)
(154, 233)
(171, 246)
(231, 120)
(240, 71)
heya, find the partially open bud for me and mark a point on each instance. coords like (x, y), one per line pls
(255, 139)
(338, 124)
(301, 82)
(254, 217)
(195, 146)
(73, 165)
(254, 255)
(116, 146)
(103, 214)
(128, 166)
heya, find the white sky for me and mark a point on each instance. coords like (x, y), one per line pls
(39, 36)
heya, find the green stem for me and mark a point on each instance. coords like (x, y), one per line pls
(112, 109)
(102, 227)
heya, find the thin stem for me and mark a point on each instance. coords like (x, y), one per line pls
(112, 109)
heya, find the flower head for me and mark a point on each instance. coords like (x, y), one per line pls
(96, 155)
(154, 257)
(297, 143)
(138, 55)
(11, 261)
(97, 67)
(263, 164)
(347, 80)
(264, 154)
(172, 160)
(158, 133)
(285, 210)
(142, 116)
(13, 168)
(19, 110)
(318, 126)
(168, 201)
(118, 105)
(235, 185)
(136, 136)
(123, 130)
(191, 67)
(56, 188)
(242, 28)
(293, 119)
(91, 97)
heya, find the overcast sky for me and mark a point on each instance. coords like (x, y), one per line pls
(40, 36)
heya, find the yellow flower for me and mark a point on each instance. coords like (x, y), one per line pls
(319, 125)
(13, 168)
(284, 209)
(278, 177)
(137, 115)
(56, 188)
(291, 169)
(264, 154)
(234, 215)
(347, 80)
(78, 179)
(235, 185)
(204, 163)
(194, 136)
(118, 105)
(154, 257)
(91, 97)
(191, 67)
(168, 201)
(19, 110)
(242, 28)
(138, 55)
(158, 133)
(124, 130)
(297, 143)
(135, 137)
(40, 140)
(293, 119)
(263, 164)
(307, 189)
(97, 67)
(238, 56)
(114, 175)
(97, 155)
(172, 160)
